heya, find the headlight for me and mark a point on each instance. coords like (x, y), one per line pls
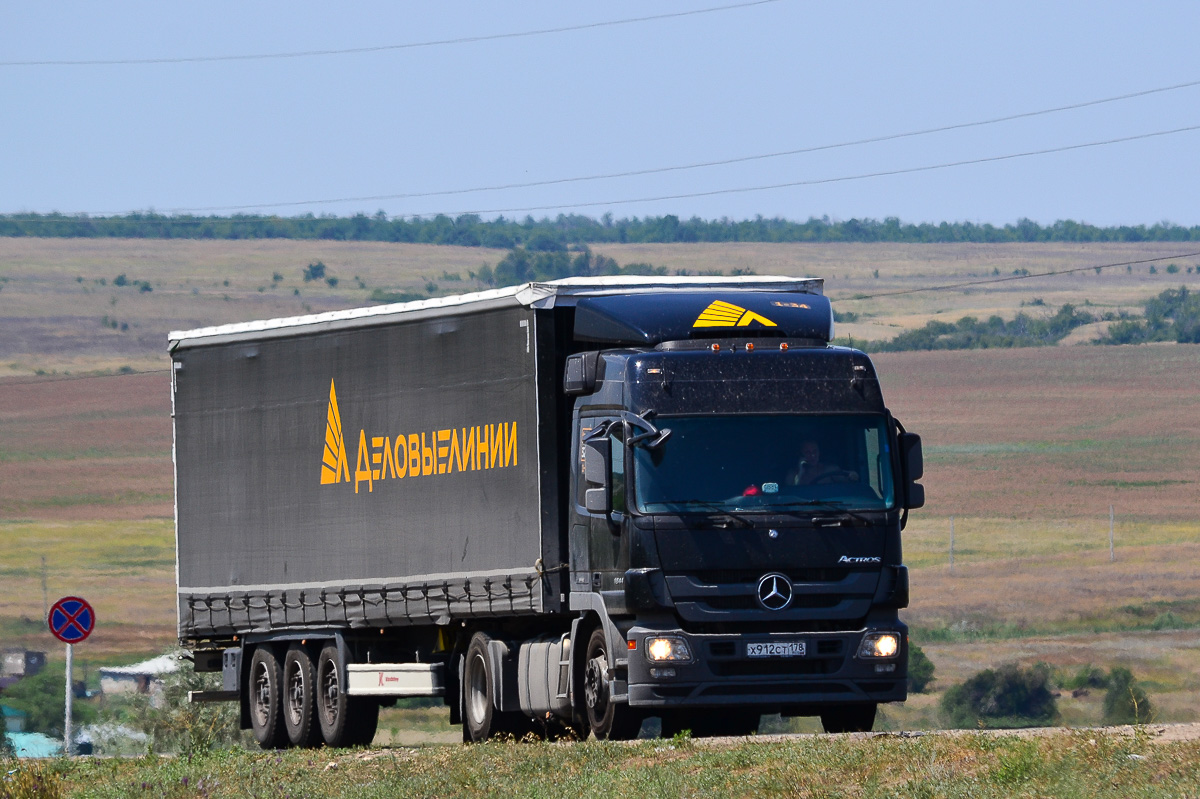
(660, 649)
(879, 645)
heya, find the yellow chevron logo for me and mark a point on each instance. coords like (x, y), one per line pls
(725, 314)
(335, 467)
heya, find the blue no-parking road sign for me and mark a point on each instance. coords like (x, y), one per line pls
(71, 619)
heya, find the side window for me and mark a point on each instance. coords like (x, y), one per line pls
(618, 469)
(585, 427)
(875, 465)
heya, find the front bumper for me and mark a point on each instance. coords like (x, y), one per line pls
(722, 673)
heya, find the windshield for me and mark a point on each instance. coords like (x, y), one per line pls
(766, 463)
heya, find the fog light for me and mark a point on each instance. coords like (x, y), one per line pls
(660, 674)
(660, 649)
(879, 645)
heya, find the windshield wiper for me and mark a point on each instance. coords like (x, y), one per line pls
(715, 508)
(827, 505)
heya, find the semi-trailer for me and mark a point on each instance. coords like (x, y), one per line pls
(559, 506)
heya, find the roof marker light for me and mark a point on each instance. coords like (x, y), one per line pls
(749, 346)
(783, 345)
(716, 347)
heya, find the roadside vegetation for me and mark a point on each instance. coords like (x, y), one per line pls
(1087, 764)
(470, 230)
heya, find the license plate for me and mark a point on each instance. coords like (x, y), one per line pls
(776, 649)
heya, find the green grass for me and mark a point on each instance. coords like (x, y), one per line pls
(1086, 764)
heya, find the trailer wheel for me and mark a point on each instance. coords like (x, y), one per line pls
(266, 699)
(299, 698)
(608, 720)
(344, 720)
(851, 718)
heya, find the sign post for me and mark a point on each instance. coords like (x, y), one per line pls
(71, 620)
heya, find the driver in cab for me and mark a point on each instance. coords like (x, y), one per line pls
(811, 469)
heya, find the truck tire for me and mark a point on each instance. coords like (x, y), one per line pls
(481, 719)
(851, 718)
(344, 720)
(266, 699)
(608, 720)
(300, 698)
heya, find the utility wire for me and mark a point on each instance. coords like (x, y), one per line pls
(381, 48)
(715, 192)
(968, 284)
(4, 383)
(840, 179)
(702, 164)
(944, 287)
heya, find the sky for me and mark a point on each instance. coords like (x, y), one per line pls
(709, 80)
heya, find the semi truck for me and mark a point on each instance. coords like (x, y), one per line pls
(562, 507)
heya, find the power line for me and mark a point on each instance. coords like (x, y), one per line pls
(968, 284)
(4, 383)
(944, 287)
(700, 164)
(840, 179)
(716, 192)
(386, 47)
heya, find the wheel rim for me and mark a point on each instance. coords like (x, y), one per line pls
(595, 689)
(477, 699)
(262, 694)
(330, 692)
(295, 693)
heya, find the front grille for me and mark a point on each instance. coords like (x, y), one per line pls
(772, 626)
(751, 602)
(714, 577)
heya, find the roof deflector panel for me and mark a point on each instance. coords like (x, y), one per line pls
(650, 319)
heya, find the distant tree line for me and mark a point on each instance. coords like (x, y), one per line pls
(969, 333)
(1174, 315)
(470, 230)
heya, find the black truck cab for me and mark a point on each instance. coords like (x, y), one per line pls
(739, 492)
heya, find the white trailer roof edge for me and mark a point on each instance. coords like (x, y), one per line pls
(533, 295)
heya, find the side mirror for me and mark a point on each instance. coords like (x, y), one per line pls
(913, 467)
(581, 374)
(597, 454)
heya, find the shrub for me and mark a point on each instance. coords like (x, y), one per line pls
(920, 669)
(40, 696)
(172, 724)
(1126, 702)
(314, 271)
(1006, 697)
(1086, 677)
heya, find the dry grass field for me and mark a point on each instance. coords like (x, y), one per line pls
(57, 294)
(1025, 449)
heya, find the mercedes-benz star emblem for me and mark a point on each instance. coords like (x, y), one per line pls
(775, 591)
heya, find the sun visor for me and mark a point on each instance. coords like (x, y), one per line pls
(652, 318)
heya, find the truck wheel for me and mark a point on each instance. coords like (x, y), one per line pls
(478, 706)
(608, 720)
(851, 718)
(299, 698)
(480, 718)
(335, 710)
(266, 699)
